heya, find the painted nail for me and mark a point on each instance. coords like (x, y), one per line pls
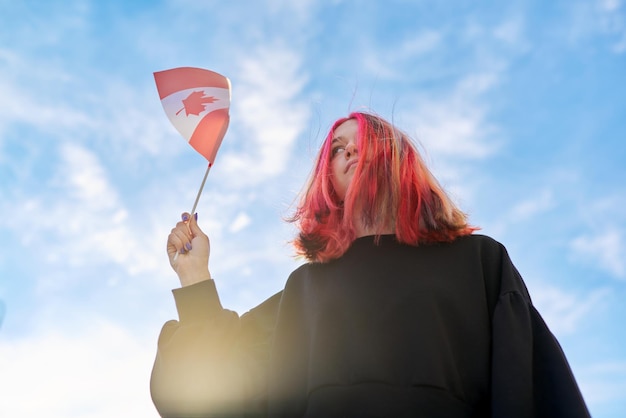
(188, 246)
(185, 217)
(196, 215)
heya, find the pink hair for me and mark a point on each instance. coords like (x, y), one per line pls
(392, 187)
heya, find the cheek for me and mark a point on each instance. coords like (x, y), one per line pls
(336, 180)
(334, 170)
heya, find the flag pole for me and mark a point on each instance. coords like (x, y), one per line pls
(195, 204)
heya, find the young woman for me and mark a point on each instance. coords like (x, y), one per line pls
(401, 311)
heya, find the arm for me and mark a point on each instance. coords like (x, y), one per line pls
(211, 361)
(531, 376)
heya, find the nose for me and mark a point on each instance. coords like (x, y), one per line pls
(351, 149)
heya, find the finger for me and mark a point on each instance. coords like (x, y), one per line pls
(193, 226)
(179, 239)
(186, 219)
(184, 227)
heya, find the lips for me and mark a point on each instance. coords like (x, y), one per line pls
(350, 164)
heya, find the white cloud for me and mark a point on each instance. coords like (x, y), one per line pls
(453, 130)
(422, 43)
(23, 105)
(599, 18)
(93, 222)
(606, 249)
(524, 210)
(456, 125)
(103, 372)
(603, 383)
(241, 221)
(390, 62)
(81, 221)
(511, 31)
(296, 10)
(564, 311)
(130, 122)
(267, 105)
(86, 179)
(532, 206)
(2, 312)
(612, 21)
(610, 5)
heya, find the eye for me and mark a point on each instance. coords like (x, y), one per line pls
(337, 149)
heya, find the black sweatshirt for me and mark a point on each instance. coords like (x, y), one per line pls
(387, 330)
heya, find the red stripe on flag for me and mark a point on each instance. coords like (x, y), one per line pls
(183, 78)
(207, 137)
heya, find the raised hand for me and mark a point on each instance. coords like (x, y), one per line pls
(188, 249)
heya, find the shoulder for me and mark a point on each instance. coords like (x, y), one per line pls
(497, 261)
(484, 246)
(480, 240)
(302, 272)
(493, 255)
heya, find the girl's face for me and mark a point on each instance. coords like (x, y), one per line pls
(344, 156)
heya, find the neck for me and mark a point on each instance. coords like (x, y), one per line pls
(383, 225)
(362, 231)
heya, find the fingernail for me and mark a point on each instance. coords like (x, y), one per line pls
(188, 246)
(182, 251)
(195, 215)
(185, 217)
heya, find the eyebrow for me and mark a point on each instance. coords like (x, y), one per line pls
(337, 139)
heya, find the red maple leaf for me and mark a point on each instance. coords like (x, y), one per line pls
(196, 103)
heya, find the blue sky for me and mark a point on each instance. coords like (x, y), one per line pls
(520, 108)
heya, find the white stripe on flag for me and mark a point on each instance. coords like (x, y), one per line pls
(186, 124)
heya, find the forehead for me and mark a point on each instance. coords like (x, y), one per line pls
(347, 129)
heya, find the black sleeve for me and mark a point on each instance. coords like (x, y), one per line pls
(531, 376)
(212, 362)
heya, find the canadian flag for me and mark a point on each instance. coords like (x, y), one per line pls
(196, 101)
